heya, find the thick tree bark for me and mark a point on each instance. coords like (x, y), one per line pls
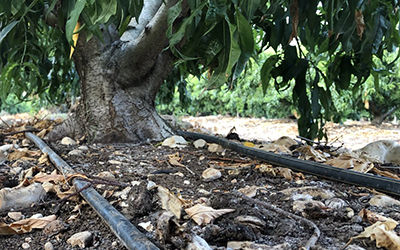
(119, 82)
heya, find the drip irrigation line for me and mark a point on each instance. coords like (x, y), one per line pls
(380, 183)
(129, 235)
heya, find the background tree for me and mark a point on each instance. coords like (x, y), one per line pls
(126, 49)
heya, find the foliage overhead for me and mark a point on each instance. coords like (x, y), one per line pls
(318, 46)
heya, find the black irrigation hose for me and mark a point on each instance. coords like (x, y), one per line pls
(384, 184)
(130, 236)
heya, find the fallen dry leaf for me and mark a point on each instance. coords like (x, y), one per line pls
(382, 232)
(248, 144)
(44, 159)
(16, 155)
(376, 150)
(359, 18)
(63, 194)
(309, 153)
(275, 148)
(204, 214)
(175, 141)
(169, 201)
(347, 161)
(25, 225)
(385, 173)
(175, 160)
(381, 200)
(285, 141)
(371, 217)
(43, 177)
(42, 133)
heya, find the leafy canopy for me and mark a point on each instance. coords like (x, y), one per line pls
(318, 46)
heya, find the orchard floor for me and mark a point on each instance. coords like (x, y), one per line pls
(336, 212)
(353, 134)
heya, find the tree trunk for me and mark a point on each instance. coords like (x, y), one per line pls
(120, 80)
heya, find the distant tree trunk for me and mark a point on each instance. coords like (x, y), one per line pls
(119, 82)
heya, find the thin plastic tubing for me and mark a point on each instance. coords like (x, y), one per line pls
(381, 183)
(129, 235)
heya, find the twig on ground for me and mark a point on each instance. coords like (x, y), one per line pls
(8, 125)
(216, 158)
(188, 169)
(311, 241)
(308, 140)
(99, 180)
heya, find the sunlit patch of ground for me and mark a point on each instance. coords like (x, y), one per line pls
(354, 134)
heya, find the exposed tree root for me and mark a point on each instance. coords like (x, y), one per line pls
(311, 241)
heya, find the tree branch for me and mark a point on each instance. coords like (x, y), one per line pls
(141, 53)
(135, 28)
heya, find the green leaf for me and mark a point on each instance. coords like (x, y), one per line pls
(179, 34)
(73, 17)
(346, 69)
(108, 9)
(6, 30)
(234, 48)
(245, 34)
(173, 14)
(265, 73)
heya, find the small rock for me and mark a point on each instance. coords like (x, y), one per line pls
(211, 174)
(81, 239)
(28, 239)
(68, 141)
(114, 244)
(203, 191)
(300, 206)
(151, 185)
(354, 247)
(25, 142)
(83, 148)
(335, 203)
(356, 219)
(383, 201)
(15, 215)
(16, 170)
(249, 191)
(198, 243)
(48, 246)
(175, 141)
(147, 226)
(48, 186)
(186, 182)
(37, 216)
(215, 148)
(135, 183)
(20, 197)
(6, 147)
(309, 190)
(251, 221)
(54, 227)
(350, 212)
(236, 245)
(75, 152)
(25, 245)
(106, 174)
(123, 194)
(200, 143)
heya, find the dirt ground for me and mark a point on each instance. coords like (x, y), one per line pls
(333, 207)
(353, 134)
